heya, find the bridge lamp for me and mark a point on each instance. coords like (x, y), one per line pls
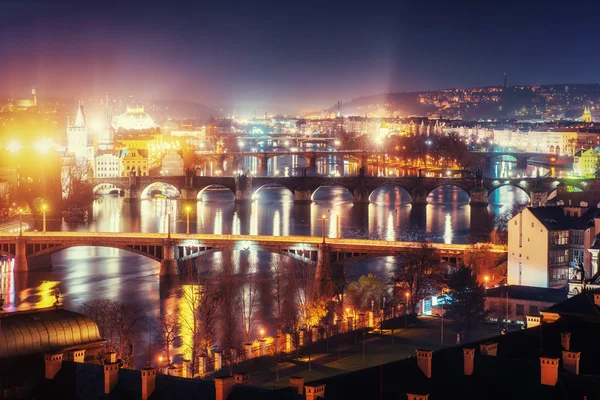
(406, 311)
(44, 209)
(187, 211)
(323, 219)
(486, 279)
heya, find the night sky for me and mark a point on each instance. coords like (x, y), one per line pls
(289, 56)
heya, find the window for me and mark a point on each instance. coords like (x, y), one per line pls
(532, 224)
(559, 238)
(520, 310)
(533, 310)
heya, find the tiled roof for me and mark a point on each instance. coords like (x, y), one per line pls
(529, 293)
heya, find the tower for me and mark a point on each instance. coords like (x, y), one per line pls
(105, 137)
(77, 135)
(33, 97)
(587, 115)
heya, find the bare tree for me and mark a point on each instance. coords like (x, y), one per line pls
(230, 299)
(249, 301)
(419, 272)
(76, 187)
(119, 323)
(311, 303)
(279, 291)
(168, 329)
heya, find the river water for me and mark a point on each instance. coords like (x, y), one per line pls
(87, 273)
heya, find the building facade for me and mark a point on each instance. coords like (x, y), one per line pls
(134, 161)
(107, 164)
(172, 164)
(585, 162)
(546, 245)
(77, 136)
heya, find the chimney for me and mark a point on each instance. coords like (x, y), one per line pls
(223, 387)
(565, 340)
(111, 377)
(298, 383)
(571, 361)
(148, 382)
(411, 396)
(53, 364)
(549, 371)
(424, 361)
(533, 321)
(110, 357)
(489, 349)
(314, 392)
(469, 361)
(597, 299)
(77, 355)
(241, 378)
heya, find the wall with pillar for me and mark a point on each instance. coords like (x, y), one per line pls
(479, 196)
(243, 189)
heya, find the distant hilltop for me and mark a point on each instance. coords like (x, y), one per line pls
(553, 102)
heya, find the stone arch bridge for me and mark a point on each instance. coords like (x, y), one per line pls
(245, 187)
(33, 249)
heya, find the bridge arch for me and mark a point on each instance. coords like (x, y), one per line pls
(515, 193)
(341, 192)
(540, 158)
(437, 196)
(278, 166)
(288, 194)
(159, 187)
(503, 158)
(107, 188)
(205, 191)
(390, 193)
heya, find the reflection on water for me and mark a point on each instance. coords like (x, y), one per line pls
(88, 273)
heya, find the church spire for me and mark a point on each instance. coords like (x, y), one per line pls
(80, 119)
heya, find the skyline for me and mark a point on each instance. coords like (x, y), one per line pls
(241, 58)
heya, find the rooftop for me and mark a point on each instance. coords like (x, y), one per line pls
(529, 293)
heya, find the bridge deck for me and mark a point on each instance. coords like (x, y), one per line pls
(333, 243)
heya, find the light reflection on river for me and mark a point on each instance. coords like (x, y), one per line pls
(88, 273)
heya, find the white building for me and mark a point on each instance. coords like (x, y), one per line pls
(172, 164)
(77, 136)
(107, 164)
(545, 244)
(134, 119)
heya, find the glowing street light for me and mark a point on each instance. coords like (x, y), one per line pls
(44, 209)
(486, 279)
(14, 146)
(187, 210)
(406, 311)
(262, 334)
(323, 219)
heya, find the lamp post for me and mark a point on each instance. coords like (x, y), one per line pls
(486, 279)
(20, 222)
(187, 210)
(337, 224)
(169, 224)
(323, 218)
(44, 208)
(406, 311)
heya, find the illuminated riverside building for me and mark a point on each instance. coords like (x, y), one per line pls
(23, 104)
(135, 160)
(134, 119)
(107, 164)
(77, 136)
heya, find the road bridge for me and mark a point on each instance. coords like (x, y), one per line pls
(244, 187)
(35, 248)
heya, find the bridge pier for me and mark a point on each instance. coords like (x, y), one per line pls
(478, 196)
(302, 195)
(262, 169)
(21, 264)
(243, 189)
(419, 196)
(522, 162)
(189, 193)
(168, 264)
(361, 195)
(131, 193)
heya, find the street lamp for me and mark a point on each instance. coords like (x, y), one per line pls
(337, 224)
(262, 334)
(187, 210)
(323, 218)
(486, 279)
(169, 224)
(44, 208)
(406, 311)
(20, 222)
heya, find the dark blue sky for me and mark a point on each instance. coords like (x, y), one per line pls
(288, 56)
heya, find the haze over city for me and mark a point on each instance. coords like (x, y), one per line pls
(288, 58)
